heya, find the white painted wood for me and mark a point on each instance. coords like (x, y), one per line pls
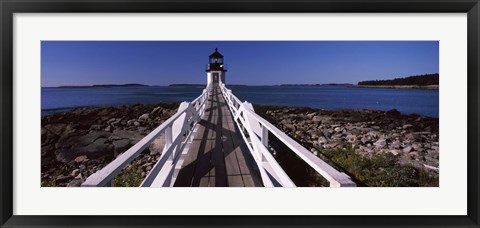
(335, 177)
(173, 128)
(162, 174)
(264, 136)
(245, 117)
(254, 124)
(258, 129)
(261, 153)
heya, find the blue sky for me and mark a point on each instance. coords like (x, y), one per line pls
(248, 62)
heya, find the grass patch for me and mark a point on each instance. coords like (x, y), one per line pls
(378, 170)
(129, 177)
(52, 182)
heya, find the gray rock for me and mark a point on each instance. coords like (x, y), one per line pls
(317, 119)
(47, 149)
(108, 128)
(410, 136)
(333, 126)
(322, 140)
(148, 168)
(120, 146)
(395, 152)
(92, 145)
(407, 149)
(338, 129)
(365, 139)
(365, 149)
(326, 133)
(134, 136)
(373, 133)
(144, 117)
(395, 144)
(96, 127)
(392, 112)
(351, 138)
(75, 172)
(80, 139)
(289, 126)
(61, 179)
(75, 183)
(56, 129)
(356, 131)
(380, 143)
(157, 145)
(407, 126)
(155, 110)
(81, 159)
(330, 145)
(337, 136)
(413, 154)
(416, 146)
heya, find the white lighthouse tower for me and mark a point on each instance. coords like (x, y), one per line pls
(216, 69)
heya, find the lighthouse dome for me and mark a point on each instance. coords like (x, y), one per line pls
(216, 54)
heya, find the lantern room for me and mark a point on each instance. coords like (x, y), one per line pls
(215, 69)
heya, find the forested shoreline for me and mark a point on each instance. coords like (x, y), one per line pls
(417, 80)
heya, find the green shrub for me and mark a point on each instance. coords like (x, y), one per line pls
(129, 177)
(378, 170)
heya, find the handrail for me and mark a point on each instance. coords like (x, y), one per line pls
(174, 129)
(258, 128)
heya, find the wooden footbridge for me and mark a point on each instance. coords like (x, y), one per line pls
(217, 141)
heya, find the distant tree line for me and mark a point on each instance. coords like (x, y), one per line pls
(419, 80)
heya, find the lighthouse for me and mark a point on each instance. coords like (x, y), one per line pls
(215, 69)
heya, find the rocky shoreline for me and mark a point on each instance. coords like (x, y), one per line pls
(79, 142)
(413, 140)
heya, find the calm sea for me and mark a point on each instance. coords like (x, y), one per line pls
(419, 101)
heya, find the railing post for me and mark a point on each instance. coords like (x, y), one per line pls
(264, 139)
(168, 139)
(265, 136)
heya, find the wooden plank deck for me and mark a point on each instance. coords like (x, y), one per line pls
(218, 156)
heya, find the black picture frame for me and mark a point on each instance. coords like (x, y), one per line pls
(9, 7)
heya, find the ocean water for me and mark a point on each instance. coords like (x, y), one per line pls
(419, 101)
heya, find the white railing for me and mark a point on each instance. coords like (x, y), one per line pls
(177, 130)
(255, 130)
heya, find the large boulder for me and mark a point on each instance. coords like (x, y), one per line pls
(392, 112)
(93, 145)
(120, 146)
(133, 136)
(144, 117)
(157, 145)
